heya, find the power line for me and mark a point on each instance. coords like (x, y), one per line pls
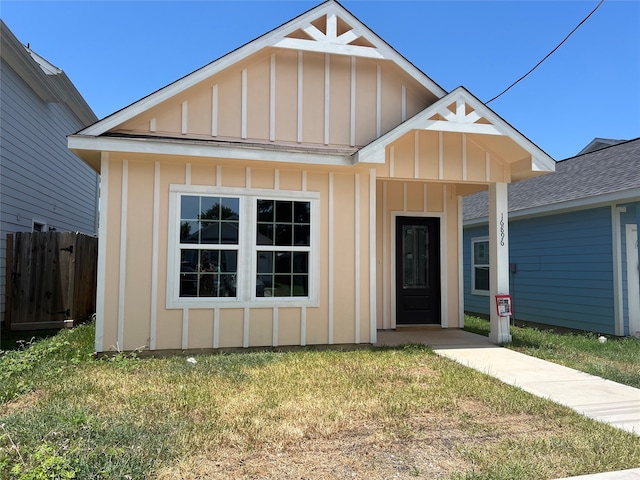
(547, 56)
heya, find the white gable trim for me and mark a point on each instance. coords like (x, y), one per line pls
(275, 38)
(456, 122)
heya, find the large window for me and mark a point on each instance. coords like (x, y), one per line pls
(231, 246)
(480, 266)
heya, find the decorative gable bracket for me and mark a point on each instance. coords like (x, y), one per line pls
(331, 34)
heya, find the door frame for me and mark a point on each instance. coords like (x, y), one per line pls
(444, 318)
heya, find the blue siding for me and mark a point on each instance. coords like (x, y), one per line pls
(564, 270)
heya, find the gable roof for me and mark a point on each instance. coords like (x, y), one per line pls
(49, 82)
(461, 112)
(327, 28)
(606, 175)
(598, 143)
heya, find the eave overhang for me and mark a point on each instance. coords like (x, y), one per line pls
(89, 148)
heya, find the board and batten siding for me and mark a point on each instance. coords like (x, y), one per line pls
(135, 311)
(40, 178)
(564, 270)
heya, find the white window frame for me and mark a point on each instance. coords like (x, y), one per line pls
(42, 223)
(247, 248)
(474, 290)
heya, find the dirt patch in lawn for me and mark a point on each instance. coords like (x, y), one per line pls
(429, 446)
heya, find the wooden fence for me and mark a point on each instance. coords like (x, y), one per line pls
(51, 279)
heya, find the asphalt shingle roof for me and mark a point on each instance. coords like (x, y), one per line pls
(609, 170)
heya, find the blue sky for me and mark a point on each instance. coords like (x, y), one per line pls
(117, 52)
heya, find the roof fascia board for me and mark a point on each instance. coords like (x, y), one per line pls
(181, 148)
(596, 201)
(374, 152)
(267, 40)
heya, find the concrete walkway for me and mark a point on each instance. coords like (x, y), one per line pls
(603, 400)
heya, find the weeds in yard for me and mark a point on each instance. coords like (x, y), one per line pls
(379, 413)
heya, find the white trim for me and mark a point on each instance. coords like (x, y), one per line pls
(214, 110)
(616, 240)
(40, 222)
(464, 157)
(330, 259)
(272, 98)
(633, 278)
(460, 264)
(327, 96)
(194, 148)
(373, 322)
(352, 125)
(185, 328)
(303, 326)
(216, 328)
(385, 258)
(487, 166)
(101, 283)
(392, 161)
(300, 94)
(274, 327)
(416, 154)
(444, 261)
(154, 255)
(122, 275)
(357, 258)
(243, 104)
(378, 101)
(184, 123)
(246, 318)
(443, 270)
(152, 125)
(404, 103)
(440, 156)
(474, 240)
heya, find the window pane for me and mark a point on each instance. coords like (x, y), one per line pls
(189, 231)
(265, 234)
(300, 286)
(265, 262)
(284, 234)
(301, 262)
(209, 232)
(265, 210)
(302, 235)
(210, 208)
(229, 233)
(302, 212)
(481, 253)
(208, 273)
(481, 277)
(188, 285)
(284, 212)
(189, 207)
(283, 262)
(282, 287)
(230, 208)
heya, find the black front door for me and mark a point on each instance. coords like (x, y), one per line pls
(417, 271)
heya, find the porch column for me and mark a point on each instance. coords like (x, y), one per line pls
(498, 259)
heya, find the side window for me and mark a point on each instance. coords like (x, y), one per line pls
(209, 239)
(283, 246)
(480, 266)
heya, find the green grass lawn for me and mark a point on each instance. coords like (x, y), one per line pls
(371, 413)
(617, 359)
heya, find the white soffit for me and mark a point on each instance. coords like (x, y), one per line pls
(327, 28)
(458, 112)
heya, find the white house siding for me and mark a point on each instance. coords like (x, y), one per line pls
(39, 177)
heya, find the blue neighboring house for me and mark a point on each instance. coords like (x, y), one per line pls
(573, 244)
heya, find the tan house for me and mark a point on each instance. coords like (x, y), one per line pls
(304, 189)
